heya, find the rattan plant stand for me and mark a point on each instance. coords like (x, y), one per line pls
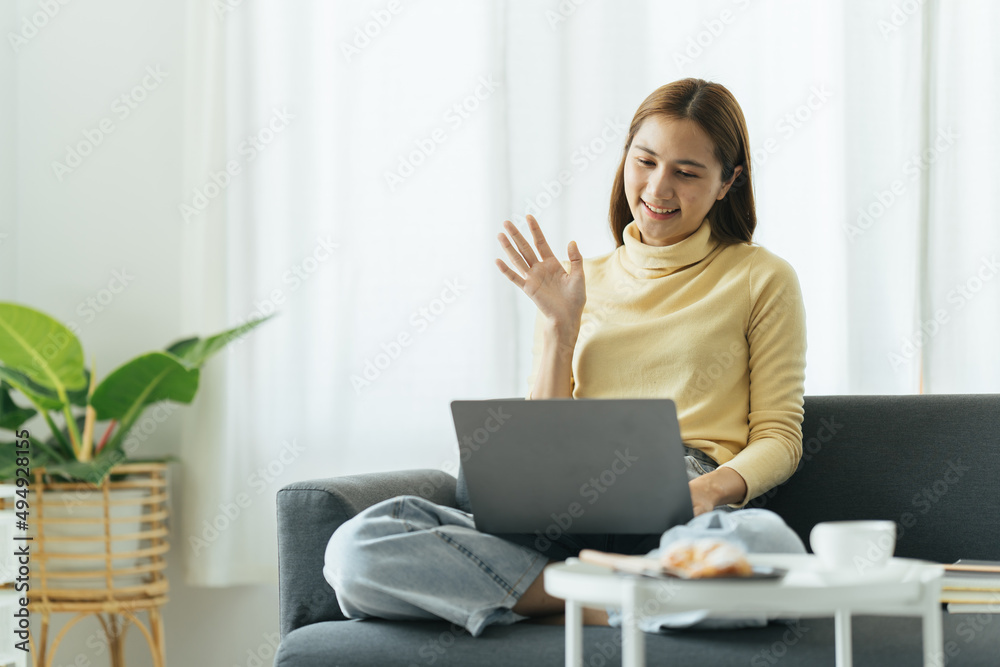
(97, 581)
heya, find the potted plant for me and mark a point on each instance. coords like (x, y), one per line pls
(42, 361)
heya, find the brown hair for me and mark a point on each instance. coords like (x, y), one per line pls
(713, 107)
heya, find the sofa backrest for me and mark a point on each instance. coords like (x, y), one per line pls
(929, 462)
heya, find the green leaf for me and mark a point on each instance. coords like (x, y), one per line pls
(8, 458)
(40, 347)
(194, 351)
(93, 471)
(8, 464)
(46, 398)
(146, 379)
(79, 396)
(58, 443)
(11, 414)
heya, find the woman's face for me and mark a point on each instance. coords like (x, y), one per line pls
(671, 165)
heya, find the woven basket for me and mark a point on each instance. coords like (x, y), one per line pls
(106, 542)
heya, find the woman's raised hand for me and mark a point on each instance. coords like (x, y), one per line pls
(559, 295)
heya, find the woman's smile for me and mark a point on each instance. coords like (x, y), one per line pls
(657, 213)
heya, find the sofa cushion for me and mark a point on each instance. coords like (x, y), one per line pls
(971, 640)
(928, 462)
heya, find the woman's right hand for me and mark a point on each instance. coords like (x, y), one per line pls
(559, 295)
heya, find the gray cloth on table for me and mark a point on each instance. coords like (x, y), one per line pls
(755, 530)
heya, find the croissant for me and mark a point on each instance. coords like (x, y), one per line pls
(707, 557)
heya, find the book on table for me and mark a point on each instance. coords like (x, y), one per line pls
(971, 596)
(974, 567)
(970, 608)
(971, 586)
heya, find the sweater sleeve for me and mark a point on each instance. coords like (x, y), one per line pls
(776, 334)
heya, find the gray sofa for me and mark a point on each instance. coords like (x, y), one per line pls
(929, 462)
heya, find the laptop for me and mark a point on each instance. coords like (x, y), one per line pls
(568, 465)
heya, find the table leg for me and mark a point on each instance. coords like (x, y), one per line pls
(633, 642)
(842, 632)
(574, 634)
(933, 634)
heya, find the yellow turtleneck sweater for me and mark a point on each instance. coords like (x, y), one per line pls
(720, 329)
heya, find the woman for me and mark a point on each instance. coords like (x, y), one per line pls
(684, 308)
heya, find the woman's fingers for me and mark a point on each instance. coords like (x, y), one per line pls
(515, 258)
(521, 243)
(523, 257)
(536, 233)
(511, 274)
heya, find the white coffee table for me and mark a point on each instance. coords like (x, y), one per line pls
(905, 587)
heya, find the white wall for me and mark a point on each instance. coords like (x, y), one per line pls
(115, 212)
(8, 135)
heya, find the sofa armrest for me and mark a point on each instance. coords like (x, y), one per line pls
(309, 512)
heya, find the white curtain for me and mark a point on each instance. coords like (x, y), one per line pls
(375, 149)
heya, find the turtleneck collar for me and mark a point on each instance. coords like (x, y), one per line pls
(650, 261)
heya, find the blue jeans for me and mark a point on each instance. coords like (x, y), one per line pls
(409, 558)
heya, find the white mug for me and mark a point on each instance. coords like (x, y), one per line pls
(858, 546)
